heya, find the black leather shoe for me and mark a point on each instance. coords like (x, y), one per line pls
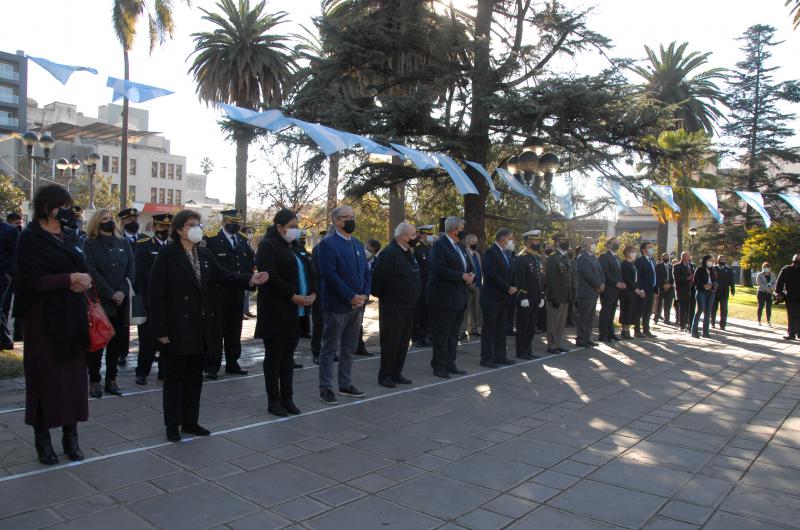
(507, 362)
(400, 380)
(388, 382)
(141, 381)
(582, 344)
(364, 353)
(296, 366)
(290, 407)
(789, 337)
(488, 364)
(173, 434)
(524, 356)
(553, 351)
(650, 335)
(277, 409)
(441, 372)
(593, 343)
(625, 335)
(607, 340)
(197, 430)
(456, 371)
(638, 335)
(44, 448)
(562, 350)
(315, 359)
(113, 388)
(122, 361)
(235, 370)
(95, 390)
(212, 376)
(616, 338)
(69, 442)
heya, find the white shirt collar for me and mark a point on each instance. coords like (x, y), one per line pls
(343, 236)
(129, 235)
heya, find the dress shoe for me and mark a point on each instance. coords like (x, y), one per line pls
(562, 350)
(525, 356)
(553, 351)
(707, 335)
(212, 376)
(245, 317)
(638, 334)
(488, 364)
(69, 442)
(296, 365)
(400, 380)
(95, 390)
(506, 362)
(141, 381)
(122, 361)
(789, 337)
(364, 353)
(582, 344)
(113, 388)
(44, 448)
(289, 405)
(235, 370)
(388, 382)
(441, 372)
(616, 338)
(455, 370)
(625, 335)
(607, 340)
(249, 314)
(593, 343)
(277, 409)
(195, 429)
(420, 344)
(649, 335)
(173, 434)
(696, 335)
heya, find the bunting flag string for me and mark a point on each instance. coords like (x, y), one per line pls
(418, 158)
(459, 177)
(756, 201)
(136, 92)
(271, 120)
(518, 188)
(793, 199)
(564, 200)
(62, 72)
(708, 197)
(485, 174)
(665, 194)
(613, 189)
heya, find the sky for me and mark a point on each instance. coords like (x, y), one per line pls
(80, 32)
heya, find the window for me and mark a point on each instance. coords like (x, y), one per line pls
(178, 197)
(153, 194)
(132, 192)
(163, 170)
(171, 171)
(105, 164)
(154, 170)
(115, 164)
(179, 172)
(160, 195)
(115, 189)
(169, 196)
(132, 166)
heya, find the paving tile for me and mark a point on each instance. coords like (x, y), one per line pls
(729, 521)
(124, 470)
(300, 509)
(451, 452)
(428, 462)
(771, 506)
(576, 469)
(780, 455)
(372, 483)
(785, 479)
(341, 463)
(535, 453)
(400, 472)
(489, 471)
(510, 506)
(202, 451)
(288, 452)
(608, 503)
(688, 513)
(266, 437)
(200, 506)
(555, 479)
(371, 513)
(136, 492)
(439, 496)
(690, 439)
(395, 445)
(253, 461)
(259, 521)
(117, 518)
(649, 479)
(337, 495)
(85, 506)
(272, 485)
(219, 470)
(32, 520)
(664, 523)
(551, 519)
(177, 481)
(442, 431)
(483, 520)
(29, 493)
(534, 492)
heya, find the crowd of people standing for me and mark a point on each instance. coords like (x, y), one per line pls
(432, 290)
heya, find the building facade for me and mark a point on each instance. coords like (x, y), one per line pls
(13, 92)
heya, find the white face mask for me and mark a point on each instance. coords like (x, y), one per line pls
(195, 234)
(291, 234)
(368, 254)
(765, 269)
(429, 239)
(593, 248)
(651, 251)
(510, 244)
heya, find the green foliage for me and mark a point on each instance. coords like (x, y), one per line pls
(776, 245)
(160, 24)
(105, 195)
(11, 195)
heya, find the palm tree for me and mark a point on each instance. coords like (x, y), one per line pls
(243, 63)
(671, 78)
(795, 12)
(125, 14)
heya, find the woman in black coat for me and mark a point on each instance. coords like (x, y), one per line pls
(185, 318)
(50, 303)
(282, 303)
(628, 297)
(110, 261)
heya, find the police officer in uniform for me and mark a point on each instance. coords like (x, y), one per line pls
(146, 251)
(560, 285)
(234, 253)
(422, 253)
(129, 229)
(529, 278)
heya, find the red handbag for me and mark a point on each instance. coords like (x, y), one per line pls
(100, 329)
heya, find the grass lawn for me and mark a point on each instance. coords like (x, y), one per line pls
(744, 306)
(10, 364)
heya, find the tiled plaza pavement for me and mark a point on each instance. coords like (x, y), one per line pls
(671, 433)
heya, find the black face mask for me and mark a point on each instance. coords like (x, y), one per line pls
(722, 263)
(563, 245)
(474, 246)
(614, 247)
(132, 227)
(19, 228)
(536, 246)
(461, 235)
(232, 228)
(66, 217)
(665, 260)
(108, 226)
(161, 235)
(796, 263)
(413, 242)
(349, 226)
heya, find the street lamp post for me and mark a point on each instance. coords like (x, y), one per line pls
(30, 139)
(692, 234)
(536, 169)
(90, 163)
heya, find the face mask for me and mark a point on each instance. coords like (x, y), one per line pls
(67, 218)
(161, 235)
(413, 242)
(563, 245)
(665, 260)
(536, 246)
(368, 254)
(107, 226)
(349, 226)
(593, 248)
(132, 227)
(195, 234)
(232, 228)
(796, 263)
(765, 269)
(651, 251)
(474, 246)
(291, 234)
(510, 244)
(461, 235)
(429, 239)
(721, 263)
(709, 264)
(19, 228)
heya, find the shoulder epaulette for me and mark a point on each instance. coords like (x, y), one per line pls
(145, 239)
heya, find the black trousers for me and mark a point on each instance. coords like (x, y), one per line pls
(6, 338)
(421, 328)
(541, 322)
(115, 350)
(362, 347)
(793, 313)
(511, 309)
(645, 310)
(445, 328)
(279, 367)
(232, 302)
(765, 302)
(608, 308)
(664, 305)
(396, 324)
(527, 319)
(493, 332)
(183, 383)
(721, 305)
(316, 327)
(147, 351)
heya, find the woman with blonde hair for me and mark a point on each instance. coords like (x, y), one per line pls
(110, 261)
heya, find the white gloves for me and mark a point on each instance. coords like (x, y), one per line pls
(524, 303)
(541, 303)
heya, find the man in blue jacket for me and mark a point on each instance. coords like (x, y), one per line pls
(495, 295)
(345, 287)
(646, 281)
(8, 251)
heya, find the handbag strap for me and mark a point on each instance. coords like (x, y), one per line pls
(96, 296)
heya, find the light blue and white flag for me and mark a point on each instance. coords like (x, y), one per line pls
(418, 158)
(271, 120)
(329, 140)
(708, 197)
(613, 188)
(463, 184)
(518, 187)
(564, 200)
(370, 146)
(665, 194)
(485, 174)
(62, 72)
(793, 199)
(136, 92)
(756, 202)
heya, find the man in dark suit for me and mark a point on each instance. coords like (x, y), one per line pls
(450, 274)
(646, 281)
(234, 253)
(529, 279)
(683, 273)
(666, 292)
(8, 252)
(612, 272)
(589, 285)
(145, 252)
(726, 286)
(371, 250)
(496, 292)
(422, 253)
(788, 288)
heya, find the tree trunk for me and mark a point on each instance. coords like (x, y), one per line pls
(397, 207)
(333, 183)
(123, 162)
(242, 145)
(680, 234)
(475, 205)
(663, 236)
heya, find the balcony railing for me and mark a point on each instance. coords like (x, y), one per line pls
(6, 73)
(9, 122)
(9, 98)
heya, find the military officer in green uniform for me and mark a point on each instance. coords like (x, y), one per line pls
(559, 280)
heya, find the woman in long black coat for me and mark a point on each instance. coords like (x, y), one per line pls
(628, 298)
(282, 302)
(50, 302)
(185, 318)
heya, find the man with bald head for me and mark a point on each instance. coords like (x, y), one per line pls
(788, 287)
